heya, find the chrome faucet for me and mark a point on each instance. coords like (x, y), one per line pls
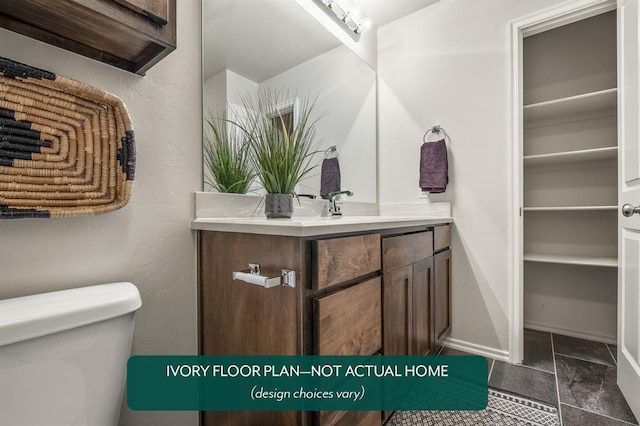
(334, 207)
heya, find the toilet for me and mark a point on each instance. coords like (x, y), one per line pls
(63, 355)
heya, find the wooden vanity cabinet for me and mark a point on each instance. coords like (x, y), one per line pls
(421, 334)
(342, 259)
(346, 294)
(407, 309)
(335, 308)
(358, 294)
(349, 321)
(397, 311)
(408, 292)
(132, 35)
(237, 318)
(442, 284)
(416, 291)
(441, 238)
(347, 309)
(442, 297)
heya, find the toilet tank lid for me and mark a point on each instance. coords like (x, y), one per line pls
(28, 317)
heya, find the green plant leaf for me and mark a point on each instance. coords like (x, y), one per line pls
(227, 156)
(282, 155)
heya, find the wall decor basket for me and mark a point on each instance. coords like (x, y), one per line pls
(66, 148)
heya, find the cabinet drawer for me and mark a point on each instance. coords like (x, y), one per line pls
(442, 237)
(349, 322)
(342, 259)
(404, 250)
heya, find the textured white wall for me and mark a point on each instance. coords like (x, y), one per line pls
(214, 93)
(148, 242)
(239, 87)
(449, 64)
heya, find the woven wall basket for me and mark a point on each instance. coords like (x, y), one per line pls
(66, 148)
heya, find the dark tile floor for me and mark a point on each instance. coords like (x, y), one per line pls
(576, 375)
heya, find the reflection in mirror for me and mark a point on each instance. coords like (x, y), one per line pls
(275, 44)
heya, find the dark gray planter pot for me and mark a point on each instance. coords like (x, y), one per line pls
(278, 206)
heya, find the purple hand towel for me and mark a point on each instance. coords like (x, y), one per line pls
(329, 177)
(434, 167)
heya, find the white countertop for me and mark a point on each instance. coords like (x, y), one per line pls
(244, 213)
(312, 226)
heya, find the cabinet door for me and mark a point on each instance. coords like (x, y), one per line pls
(240, 318)
(442, 296)
(397, 311)
(422, 307)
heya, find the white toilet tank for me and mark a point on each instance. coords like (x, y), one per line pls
(63, 355)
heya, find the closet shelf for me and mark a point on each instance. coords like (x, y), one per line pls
(570, 208)
(597, 154)
(610, 262)
(571, 106)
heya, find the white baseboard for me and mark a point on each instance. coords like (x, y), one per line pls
(572, 333)
(476, 349)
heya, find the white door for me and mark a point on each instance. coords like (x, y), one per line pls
(629, 193)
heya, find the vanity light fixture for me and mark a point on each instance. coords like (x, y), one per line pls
(342, 17)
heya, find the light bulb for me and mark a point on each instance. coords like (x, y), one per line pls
(364, 26)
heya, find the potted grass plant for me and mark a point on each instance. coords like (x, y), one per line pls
(282, 136)
(227, 157)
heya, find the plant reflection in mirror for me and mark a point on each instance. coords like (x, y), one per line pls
(227, 156)
(281, 129)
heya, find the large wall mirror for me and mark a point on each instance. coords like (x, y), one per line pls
(254, 44)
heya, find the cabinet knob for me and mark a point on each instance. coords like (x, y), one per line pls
(628, 210)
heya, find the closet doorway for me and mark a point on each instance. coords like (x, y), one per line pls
(570, 179)
(575, 72)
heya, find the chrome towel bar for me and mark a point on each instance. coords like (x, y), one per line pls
(252, 276)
